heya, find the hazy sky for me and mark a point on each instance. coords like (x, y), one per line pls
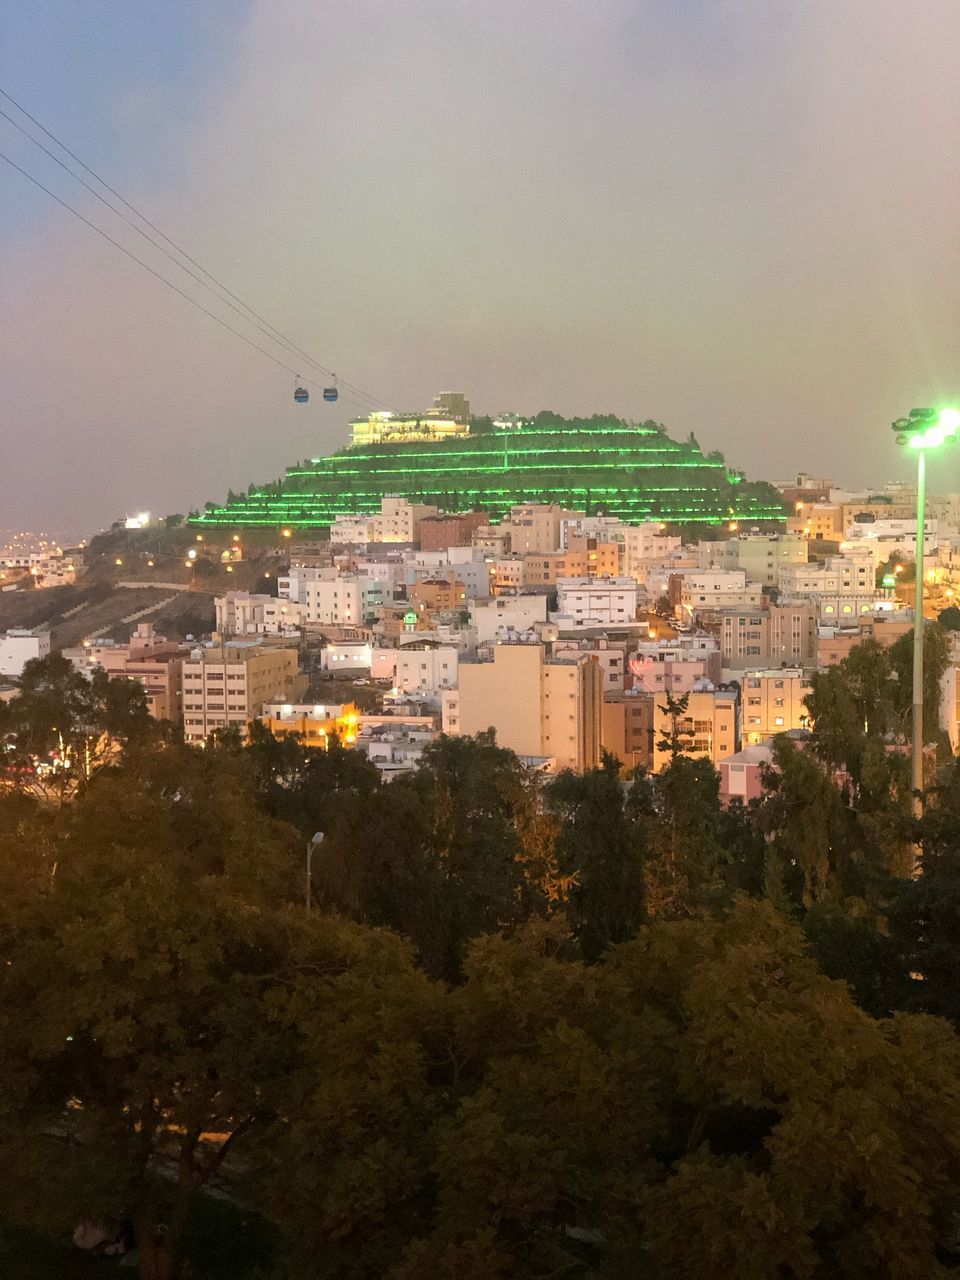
(737, 216)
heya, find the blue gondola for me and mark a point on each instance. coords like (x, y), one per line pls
(330, 393)
(302, 395)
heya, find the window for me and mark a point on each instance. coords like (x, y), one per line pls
(778, 720)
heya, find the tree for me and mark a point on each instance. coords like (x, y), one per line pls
(601, 848)
(69, 725)
(468, 852)
(152, 954)
(678, 735)
(949, 618)
(685, 865)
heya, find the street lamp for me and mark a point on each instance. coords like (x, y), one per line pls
(315, 840)
(921, 430)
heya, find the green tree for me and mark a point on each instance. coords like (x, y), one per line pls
(70, 725)
(677, 736)
(601, 848)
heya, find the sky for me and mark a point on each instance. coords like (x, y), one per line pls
(737, 217)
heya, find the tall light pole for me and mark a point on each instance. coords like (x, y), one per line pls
(315, 840)
(921, 430)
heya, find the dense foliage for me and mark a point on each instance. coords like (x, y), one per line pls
(588, 1026)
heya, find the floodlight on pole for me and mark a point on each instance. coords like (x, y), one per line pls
(920, 430)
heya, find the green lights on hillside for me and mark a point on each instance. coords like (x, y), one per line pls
(633, 474)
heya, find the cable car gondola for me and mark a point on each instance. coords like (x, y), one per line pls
(331, 393)
(301, 394)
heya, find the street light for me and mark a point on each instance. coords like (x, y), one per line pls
(921, 430)
(315, 840)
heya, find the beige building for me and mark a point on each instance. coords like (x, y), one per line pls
(541, 708)
(710, 721)
(773, 702)
(627, 728)
(230, 683)
(584, 557)
(537, 527)
(760, 555)
(781, 635)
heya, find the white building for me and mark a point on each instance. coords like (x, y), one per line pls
(241, 614)
(595, 602)
(347, 657)
(517, 612)
(18, 646)
(331, 598)
(760, 555)
(426, 669)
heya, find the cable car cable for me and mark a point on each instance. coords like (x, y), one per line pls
(275, 334)
(163, 279)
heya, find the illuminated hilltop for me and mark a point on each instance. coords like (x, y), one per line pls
(600, 464)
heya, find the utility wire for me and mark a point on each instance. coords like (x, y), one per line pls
(162, 278)
(269, 331)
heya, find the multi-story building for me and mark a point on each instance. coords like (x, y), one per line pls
(590, 602)
(397, 522)
(761, 556)
(439, 533)
(19, 645)
(426, 668)
(516, 612)
(646, 544)
(584, 557)
(538, 707)
(843, 587)
(709, 726)
(627, 728)
(239, 613)
(331, 598)
(773, 702)
(404, 427)
(780, 635)
(316, 724)
(835, 643)
(536, 527)
(710, 589)
(438, 595)
(230, 683)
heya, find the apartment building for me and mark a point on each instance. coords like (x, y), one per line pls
(516, 612)
(538, 707)
(781, 635)
(772, 703)
(843, 587)
(230, 683)
(583, 602)
(761, 556)
(710, 726)
(19, 645)
(316, 724)
(536, 528)
(710, 589)
(426, 668)
(584, 557)
(240, 613)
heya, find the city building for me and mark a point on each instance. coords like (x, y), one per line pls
(241, 614)
(403, 428)
(536, 527)
(315, 723)
(842, 587)
(438, 595)
(709, 726)
(772, 702)
(19, 645)
(779, 635)
(394, 748)
(230, 683)
(439, 533)
(595, 602)
(426, 668)
(513, 612)
(538, 707)
(711, 589)
(741, 774)
(627, 728)
(330, 598)
(761, 556)
(584, 557)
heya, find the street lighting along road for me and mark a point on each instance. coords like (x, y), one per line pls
(921, 430)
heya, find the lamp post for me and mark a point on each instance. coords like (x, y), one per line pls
(921, 430)
(315, 840)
